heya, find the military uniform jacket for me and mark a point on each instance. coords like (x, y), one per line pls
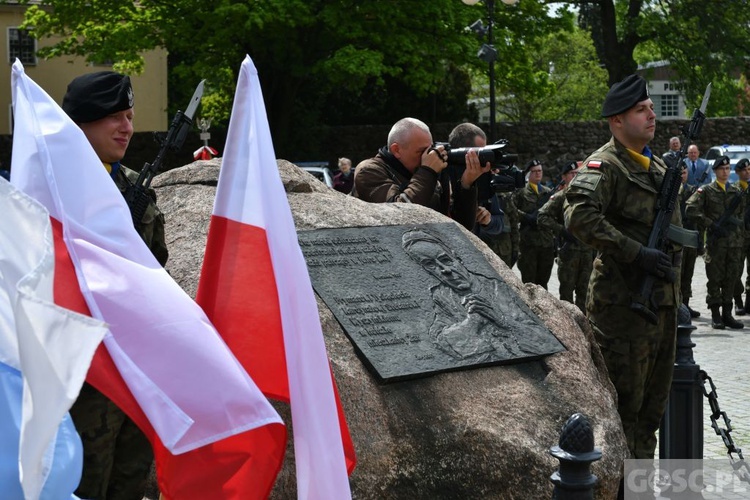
(686, 191)
(511, 217)
(152, 224)
(611, 206)
(527, 202)
(377, 182)
(552, 217)
(707, 205)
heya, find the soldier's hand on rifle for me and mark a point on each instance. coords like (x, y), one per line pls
(473, 169)
(655, 262)
(717, 231)
(435, 158)
(529, 220)
(568, 236)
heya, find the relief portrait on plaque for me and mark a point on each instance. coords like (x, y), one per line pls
(466, 325)
(470, 319)
(417, 300)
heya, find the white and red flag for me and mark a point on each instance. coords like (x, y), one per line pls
(214, 434)
(256, 289)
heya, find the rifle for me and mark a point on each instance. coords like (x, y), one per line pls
(539, 204)
(665, 206)
(703, 176)
(136, 194)
(727, 216)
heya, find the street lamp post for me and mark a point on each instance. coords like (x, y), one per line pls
(488, 54)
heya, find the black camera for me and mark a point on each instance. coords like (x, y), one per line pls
(505, 176)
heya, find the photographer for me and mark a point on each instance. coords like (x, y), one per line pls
(410, 170)
(489, 218)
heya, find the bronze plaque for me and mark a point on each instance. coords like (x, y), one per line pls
(419, 300)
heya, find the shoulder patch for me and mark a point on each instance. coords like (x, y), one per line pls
(700, 190)
(587, 181)
(594, 164)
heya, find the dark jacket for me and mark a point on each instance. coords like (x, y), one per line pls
(383, 179)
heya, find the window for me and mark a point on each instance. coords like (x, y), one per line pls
(670, 105)
(21, 45)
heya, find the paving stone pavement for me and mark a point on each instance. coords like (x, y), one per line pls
(723, 355)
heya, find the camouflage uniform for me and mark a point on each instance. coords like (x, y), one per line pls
(689, 255)
(574, 259)
(117, 456)
(537, 245)
(723, 254)
(506, 244)
(611, 207)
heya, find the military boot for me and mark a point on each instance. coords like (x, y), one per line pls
(729, 321)
(747, 302)
(716, 321)
(739, 308)
(693, 312)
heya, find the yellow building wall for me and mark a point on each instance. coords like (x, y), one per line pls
(53, 75)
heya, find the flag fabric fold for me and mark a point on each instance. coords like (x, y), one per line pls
(45, 352)
(164, 363)
(256, 289)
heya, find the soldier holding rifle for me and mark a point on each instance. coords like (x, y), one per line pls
(719, 208)
(574, 259)
(611, 206)
(537, 244)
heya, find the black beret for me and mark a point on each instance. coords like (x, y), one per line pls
(568, 167)
(95, 95)
(742, 164)
(721, 160)
(624, 95)
(532, 163)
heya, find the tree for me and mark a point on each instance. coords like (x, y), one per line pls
(703, 41)
(304, 49)
(576, 83)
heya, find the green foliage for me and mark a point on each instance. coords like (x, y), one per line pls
(336, 62)
(578, 83)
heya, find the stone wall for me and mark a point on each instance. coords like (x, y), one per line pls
(554, 143)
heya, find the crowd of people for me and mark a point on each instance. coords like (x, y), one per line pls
(596, 223)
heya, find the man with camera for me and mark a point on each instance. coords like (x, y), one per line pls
(489, 220)
(411, 170)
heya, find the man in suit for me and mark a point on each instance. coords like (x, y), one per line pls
(697, 168)
(673, 154)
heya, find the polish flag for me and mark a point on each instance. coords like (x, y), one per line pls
(45, 351)
(161, 361)
(255, 287)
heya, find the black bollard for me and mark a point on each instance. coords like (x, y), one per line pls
(681, 430)
(575, 451)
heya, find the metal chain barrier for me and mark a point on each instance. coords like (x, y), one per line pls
(739, 465)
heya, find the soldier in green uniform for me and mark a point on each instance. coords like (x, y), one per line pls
(743, 307)
(537, 244)
(506, 244)
(574, 259)
(689, 255)
(116, 454)
(610, 206)
(708, 205)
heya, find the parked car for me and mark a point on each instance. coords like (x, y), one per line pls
(735, 152)
(319, 169)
